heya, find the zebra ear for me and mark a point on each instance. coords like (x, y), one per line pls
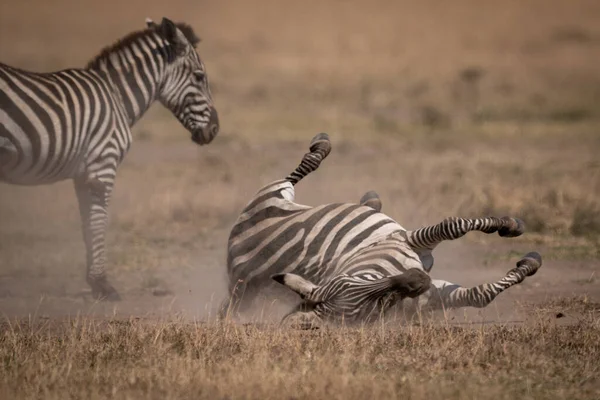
(150, 23)
(297, 283)
(174, 36)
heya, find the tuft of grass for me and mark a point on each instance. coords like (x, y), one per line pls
(571, 34)
(432, 117)
(383, 123)
(586, 220)
(580, 304)
(151, 282)
(534, 217)
(139, 358)
(471, 74)
(569, 115)
(587, 281)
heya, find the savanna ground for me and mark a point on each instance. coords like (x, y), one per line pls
(444, 108)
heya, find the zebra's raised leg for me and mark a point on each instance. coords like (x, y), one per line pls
(371, 199)
(93, 197)
(320, 146)
(453, 228)
(445, 295)
(424, 240)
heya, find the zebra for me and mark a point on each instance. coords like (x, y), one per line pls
(349, 262)
(76, 123)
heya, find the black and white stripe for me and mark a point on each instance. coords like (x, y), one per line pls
(348, 262)
(75, 124)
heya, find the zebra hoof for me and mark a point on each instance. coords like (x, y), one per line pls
(511, 227)
(321, 143)
(371, 199)
(102, 290)
(531, 262)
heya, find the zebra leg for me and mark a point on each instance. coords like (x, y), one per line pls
(371, 199)
(93, 197)
(241, 299)
(453, 228)
(444, 294)
(320, 146)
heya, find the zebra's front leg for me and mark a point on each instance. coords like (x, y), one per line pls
(93, 196)
(453, 228)
(445, 295)
(240, 300)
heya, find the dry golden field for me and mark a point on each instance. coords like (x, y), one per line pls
(128, 359)
(464, 108)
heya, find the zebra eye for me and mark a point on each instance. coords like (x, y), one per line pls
(198, 77)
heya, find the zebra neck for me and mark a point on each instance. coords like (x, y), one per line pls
(135, 79)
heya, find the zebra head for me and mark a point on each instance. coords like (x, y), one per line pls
(185, 90)
(350, 299)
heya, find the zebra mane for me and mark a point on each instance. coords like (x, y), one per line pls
(126, 41)
(189, 33)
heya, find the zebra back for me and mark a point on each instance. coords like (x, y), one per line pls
(76, 122)
(274, 235)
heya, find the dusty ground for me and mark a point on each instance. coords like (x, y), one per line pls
(443, 108)
(169, 232)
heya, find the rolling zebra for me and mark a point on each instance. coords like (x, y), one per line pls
(349, 262)
(75, 124)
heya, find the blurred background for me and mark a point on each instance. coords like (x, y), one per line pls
(464, 108)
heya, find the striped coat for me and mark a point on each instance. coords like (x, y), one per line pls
(348, 261)
(75, 124)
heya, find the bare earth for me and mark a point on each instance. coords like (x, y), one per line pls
(168, 233)
(443, 108)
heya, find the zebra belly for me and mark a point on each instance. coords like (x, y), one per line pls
(313, 243)
(387, 262)
(28, 167)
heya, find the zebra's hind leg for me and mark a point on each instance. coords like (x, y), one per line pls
(371, 199)
(93, 197)
(444, 294)
(455, 228)
(320, 146)
(424, 240)
(239, 302)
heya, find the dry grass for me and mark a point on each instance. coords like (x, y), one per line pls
(171, 360)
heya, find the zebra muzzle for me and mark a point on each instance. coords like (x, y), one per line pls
(198, 138)
(209, 132)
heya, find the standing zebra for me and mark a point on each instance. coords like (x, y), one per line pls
(349, 261)
(75, 124)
